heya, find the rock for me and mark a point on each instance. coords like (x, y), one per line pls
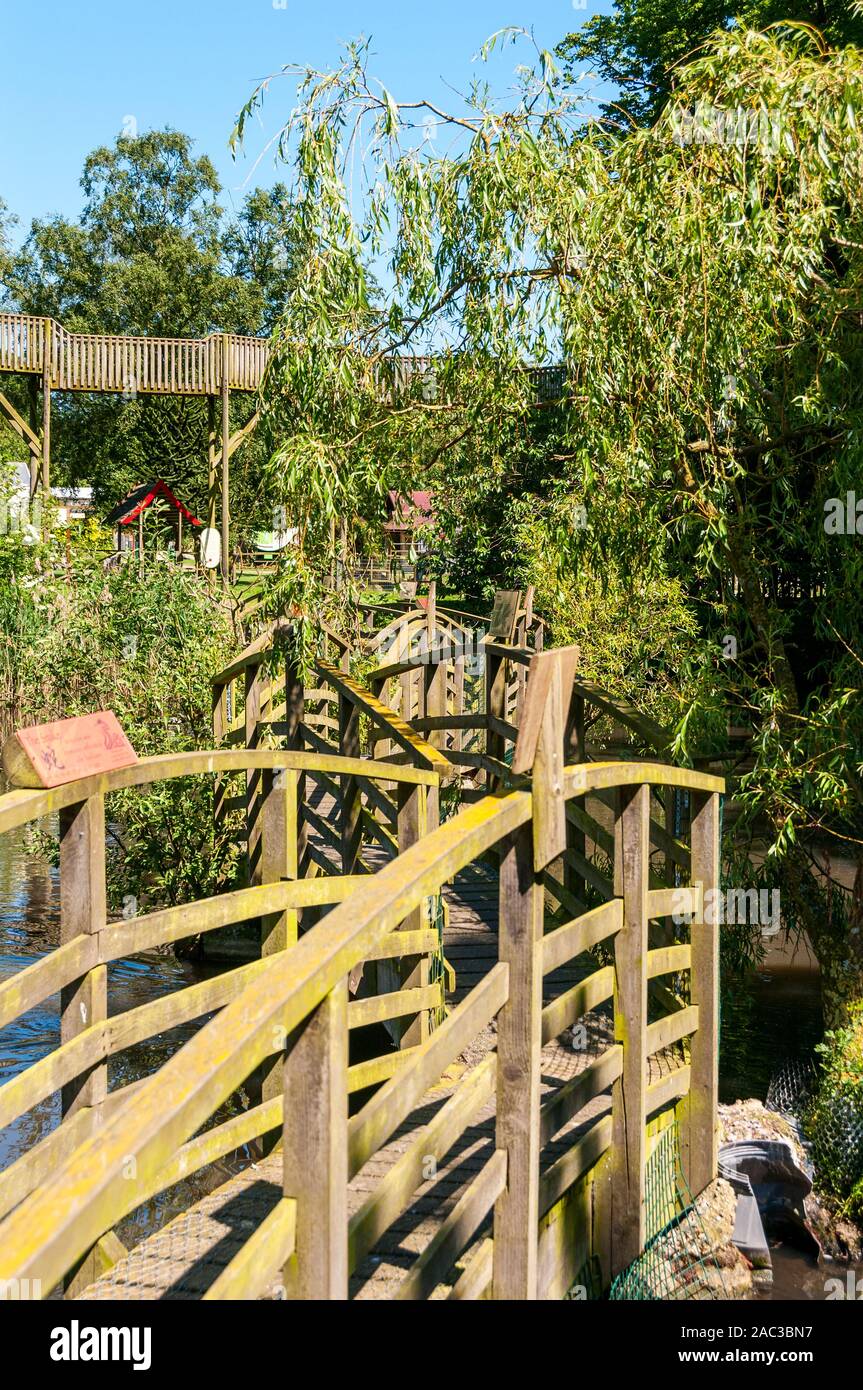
(837, 1236)
(749, 1119)
(695, 1259)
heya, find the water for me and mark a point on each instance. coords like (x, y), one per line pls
(773, 1015)
(29, 928)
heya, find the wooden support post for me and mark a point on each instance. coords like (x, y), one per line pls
(414, 972)
(434, 672)
(47, 352)
(278, 862)
(315, 1147)
(629, 1105)
(294, 715)
(226, 455)
(211, 462)
(574, 752)
(352, 800)
(495, 707)
(519, 1025)
(141, 541)
(83, 911)
(699, 1139)
(220, 728)
(85, 1003)
(525, 623)
(519, 1050)
(34, 447)
(254, 708)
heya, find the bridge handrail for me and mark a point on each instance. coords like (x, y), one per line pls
(23, 805)
(87, 1193)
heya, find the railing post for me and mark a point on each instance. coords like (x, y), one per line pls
(226, 455)
(519, 1048)
(352, 800)
(294, 715)
(278, 863)
(495, 708)
(254, 708)
(414, 971)
(575, 751)
(83, 911)
(47, 379)
(698, 1134)
(315, 1147)
(434, 672)
(629, 1104)
(519, 1024)
(220, 729)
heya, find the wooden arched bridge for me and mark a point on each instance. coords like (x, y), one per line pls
(469, 1017)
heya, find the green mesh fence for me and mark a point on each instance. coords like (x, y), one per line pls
(678, 1261)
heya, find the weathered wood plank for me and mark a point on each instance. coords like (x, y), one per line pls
(315, 1149)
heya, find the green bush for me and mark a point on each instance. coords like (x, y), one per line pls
(78, 635)
(834, 1121)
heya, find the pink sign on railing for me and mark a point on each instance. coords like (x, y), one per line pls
(49, 755)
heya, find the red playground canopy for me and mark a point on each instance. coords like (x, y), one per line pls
(143, 496)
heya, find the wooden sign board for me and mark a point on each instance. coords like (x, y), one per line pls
(504, 614)
(557, 665)
(49, 755)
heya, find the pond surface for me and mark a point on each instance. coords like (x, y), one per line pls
(29, 928)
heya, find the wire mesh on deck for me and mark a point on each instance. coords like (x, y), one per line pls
(678, 1260)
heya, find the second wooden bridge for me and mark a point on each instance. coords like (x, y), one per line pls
(473, 1150)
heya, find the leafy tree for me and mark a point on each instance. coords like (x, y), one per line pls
(152, 254)
(702, 282)
(639, 46)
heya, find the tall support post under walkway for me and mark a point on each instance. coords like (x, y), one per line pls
(212, 498)
(226, 442)
(47, 354)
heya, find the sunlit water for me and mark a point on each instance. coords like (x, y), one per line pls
(29, 928)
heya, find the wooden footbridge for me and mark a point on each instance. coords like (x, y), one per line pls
(467, 1022)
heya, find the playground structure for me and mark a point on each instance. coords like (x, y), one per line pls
(369, 899)
(54, 359)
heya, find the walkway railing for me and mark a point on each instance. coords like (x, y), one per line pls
(130, 365)
(290, 1015)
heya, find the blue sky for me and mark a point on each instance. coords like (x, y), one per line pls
(76, 70)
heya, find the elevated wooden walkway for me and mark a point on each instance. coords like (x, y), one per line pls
(492, 1140)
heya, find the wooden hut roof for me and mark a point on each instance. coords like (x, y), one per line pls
(142, 496)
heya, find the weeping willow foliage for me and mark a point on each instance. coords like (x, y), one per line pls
(701, 283)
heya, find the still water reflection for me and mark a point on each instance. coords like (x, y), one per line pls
(30, 927)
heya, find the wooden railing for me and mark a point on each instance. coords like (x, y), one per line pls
(176, 366)
(289, 1015)
(129, 365)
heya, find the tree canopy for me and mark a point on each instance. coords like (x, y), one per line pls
(701, 280)
(153, 252)
(638, 47)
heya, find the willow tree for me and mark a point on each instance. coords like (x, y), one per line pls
(701, 282)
